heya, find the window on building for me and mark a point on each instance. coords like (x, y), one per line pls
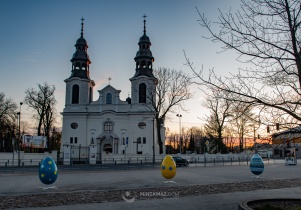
(108, 127)
(142, 93)
(90, 95)
(123, 141)
(144, 140)
(143, 64)
(109, 98)
(142, 125)
(71, 140)
(74, 125)
(75, 94)
(75, 140)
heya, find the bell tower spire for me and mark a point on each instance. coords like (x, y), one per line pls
(80, 60)
(79, 86)
(144, 21)
(82, 30)
(144, 81)
(144, 58)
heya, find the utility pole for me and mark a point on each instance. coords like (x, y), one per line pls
(180, 140)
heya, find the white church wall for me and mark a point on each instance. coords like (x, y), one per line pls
(83, 93)
(79, 132)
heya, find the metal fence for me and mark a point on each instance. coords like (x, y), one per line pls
(228, 161)
(130, 163)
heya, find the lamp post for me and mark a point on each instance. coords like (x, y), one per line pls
(52, 140)
(154, 141)
(19, 139)
(254, 138)
(79, 153)
(179, 115)
(13, 143)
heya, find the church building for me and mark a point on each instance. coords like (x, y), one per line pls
(108, 127)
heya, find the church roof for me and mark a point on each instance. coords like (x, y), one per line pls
(109, 87)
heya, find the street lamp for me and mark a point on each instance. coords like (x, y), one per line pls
(179, 115)
(154, 142)
(19, 139)
(13, 143)
(79, 153)
(52, 140)
(254, 137)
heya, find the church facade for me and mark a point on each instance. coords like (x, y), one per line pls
(94, 130)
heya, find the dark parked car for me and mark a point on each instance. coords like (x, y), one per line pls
(181, 161)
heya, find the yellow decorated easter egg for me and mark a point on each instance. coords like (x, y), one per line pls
(168, 167)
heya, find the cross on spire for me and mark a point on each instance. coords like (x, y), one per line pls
(82, 30)
(144, 21)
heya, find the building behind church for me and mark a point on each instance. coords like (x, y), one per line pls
(109, 127)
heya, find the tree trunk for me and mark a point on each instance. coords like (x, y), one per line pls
(159, 135)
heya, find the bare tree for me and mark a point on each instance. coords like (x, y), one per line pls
(242, 118)
(171, 91)
(8, 116)
(197, 134)
(43, 102)
(267, 35)
(56, 139)
(25, 126)
(8, 108)
(185, 137)
(220, 112)
(191, 145)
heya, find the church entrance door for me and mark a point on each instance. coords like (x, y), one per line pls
(107, 148)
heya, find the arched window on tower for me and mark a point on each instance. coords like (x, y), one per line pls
(143, 64)
(75, 94)
(142, 93)
(90, 95)
(109, 98)
(77, 66)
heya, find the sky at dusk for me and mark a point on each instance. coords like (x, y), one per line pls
(37, 42)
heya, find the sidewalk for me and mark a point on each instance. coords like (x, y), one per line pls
(223, 201)
(28, 183)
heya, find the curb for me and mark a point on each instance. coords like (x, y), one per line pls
(244, 205)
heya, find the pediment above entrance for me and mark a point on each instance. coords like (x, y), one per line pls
(104, 136)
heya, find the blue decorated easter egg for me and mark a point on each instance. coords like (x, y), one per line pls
(48, 171)
(256, 164)
(168, 167)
